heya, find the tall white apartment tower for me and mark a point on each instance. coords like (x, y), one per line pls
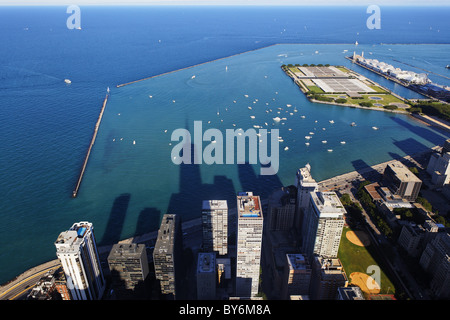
(322, 225)
(77, 251)
(215, 226)
(305, 186)
(249, 240)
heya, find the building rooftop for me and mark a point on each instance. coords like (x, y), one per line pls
(304, 174)
(71, 239)
(206, 262)
(214, 204)
(166, 234)
(125, 250)
(403, 173)
(297, 262)
(249, 206)
(328, 204)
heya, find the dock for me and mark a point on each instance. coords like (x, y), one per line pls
(94, 136)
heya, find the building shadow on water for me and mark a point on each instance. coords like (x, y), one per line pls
(423, 132)
(192, 191)
(260, 185)
(116, 219)
(366, 171)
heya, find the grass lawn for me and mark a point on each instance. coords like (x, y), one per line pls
(357, 259)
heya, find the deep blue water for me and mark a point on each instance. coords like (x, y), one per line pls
(46, 125)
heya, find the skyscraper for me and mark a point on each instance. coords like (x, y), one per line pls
(322, 225)
(206, 276)
(166, 254)
(249, 240)
(215, 226)
(128, 264)
(305, 185)
(77, 251)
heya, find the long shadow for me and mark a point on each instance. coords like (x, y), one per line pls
(425, 133)
(188, 201)
(116, 219)
(410, 146)
(366, 171)
(147, 220)
(262, 186)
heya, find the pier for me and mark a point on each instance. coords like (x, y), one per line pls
(94, 136)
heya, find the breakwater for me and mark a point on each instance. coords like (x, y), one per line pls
(91, 144)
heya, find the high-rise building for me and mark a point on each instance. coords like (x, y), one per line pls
(322, 225)
(297, 275)
(435, 260)
(327, 276)
(77, 251)
(282, 209)
(206, 276)
(166, 254)
(128, 265)
(402, 181)
(249, 241)
(305, 185)
(215, 226)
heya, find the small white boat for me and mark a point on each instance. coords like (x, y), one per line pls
(150, 97)
(67, 81)
(307, 137)
(307, 143)
(331, 121)
(324, 141)
(246, 95)
(374, 128)
(330, 150)
(353, 124)
(277, 119)
(303, 117)
(342, 142)
(253, 117)
(193, 77)
(289, 105)
(286, 149)
(134, 141)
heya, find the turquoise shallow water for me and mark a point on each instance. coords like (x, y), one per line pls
(128, 186)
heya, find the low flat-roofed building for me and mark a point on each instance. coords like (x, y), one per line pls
(350, 293)
(401, 181)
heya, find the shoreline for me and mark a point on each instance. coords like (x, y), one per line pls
(325, 185)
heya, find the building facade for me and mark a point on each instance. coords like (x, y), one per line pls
(322, 225)
(77, 251)
(215, 226)
(166, 254)
(298, 275)
(327, 276)
(401, 181)
(206, 276)
(249, 242)
(128, 265)
(282, 209)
